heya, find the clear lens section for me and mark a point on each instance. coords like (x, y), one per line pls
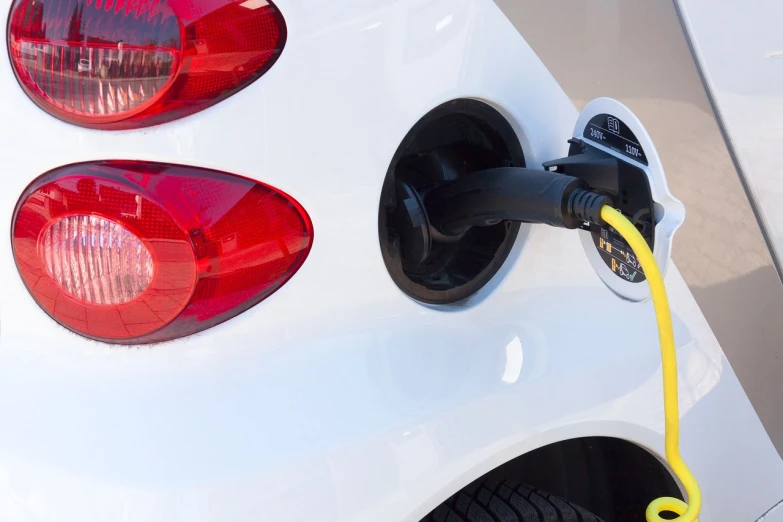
(90, 81)
(121, 64)
(96, 260)
(97, 60)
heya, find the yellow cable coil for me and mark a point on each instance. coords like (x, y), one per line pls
(687, 512)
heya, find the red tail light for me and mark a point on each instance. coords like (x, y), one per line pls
(136, 252)
(120, 64)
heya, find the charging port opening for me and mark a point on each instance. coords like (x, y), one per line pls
(456, 138)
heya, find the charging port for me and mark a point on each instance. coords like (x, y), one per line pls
(455, 139)
(457, 190)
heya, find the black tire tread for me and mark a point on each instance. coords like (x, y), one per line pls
(487, 500)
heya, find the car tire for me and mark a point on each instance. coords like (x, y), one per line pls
(507, 501)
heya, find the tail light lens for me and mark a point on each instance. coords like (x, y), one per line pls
(120, 64)
(131, 252)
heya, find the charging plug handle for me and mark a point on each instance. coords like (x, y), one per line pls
(487, 197)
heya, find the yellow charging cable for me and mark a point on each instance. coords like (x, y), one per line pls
(687, 512)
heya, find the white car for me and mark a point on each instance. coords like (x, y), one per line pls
(219, 300)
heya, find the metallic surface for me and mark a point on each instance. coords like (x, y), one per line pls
(636, 51)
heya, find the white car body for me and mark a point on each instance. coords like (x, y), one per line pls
(339, 398)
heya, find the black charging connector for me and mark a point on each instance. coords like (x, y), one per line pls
(626, 183)
(512, 194)
(569, 194)
(486, 197)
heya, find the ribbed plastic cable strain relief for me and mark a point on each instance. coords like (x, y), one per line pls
(586, 206)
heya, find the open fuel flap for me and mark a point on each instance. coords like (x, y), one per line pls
(613, 153)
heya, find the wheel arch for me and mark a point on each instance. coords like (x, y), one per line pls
(612, 477)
